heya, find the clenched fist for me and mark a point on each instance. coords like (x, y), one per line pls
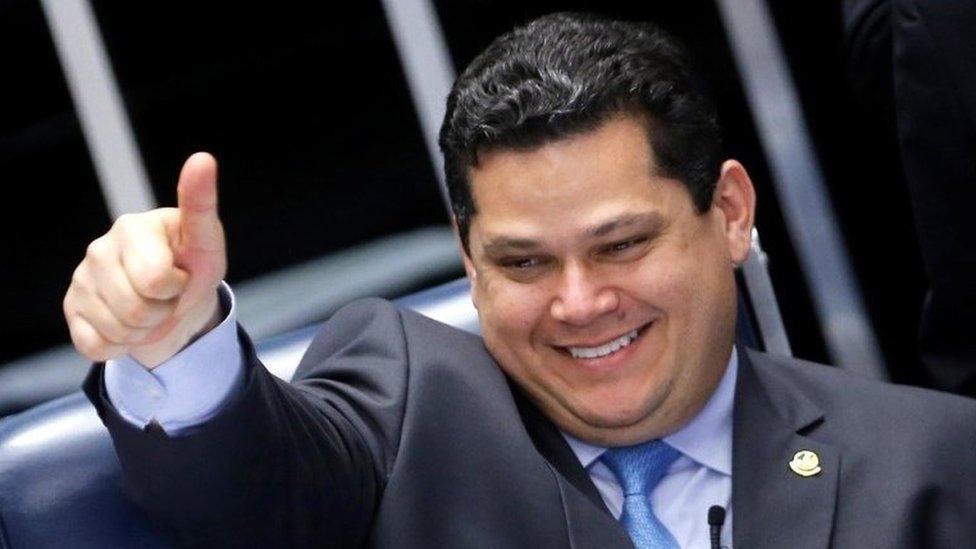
(148, 286)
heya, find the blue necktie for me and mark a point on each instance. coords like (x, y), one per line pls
(639, 469)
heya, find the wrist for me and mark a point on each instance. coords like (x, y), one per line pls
(217, 315)
(193, 325)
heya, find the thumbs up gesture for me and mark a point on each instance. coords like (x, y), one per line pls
(148, 286)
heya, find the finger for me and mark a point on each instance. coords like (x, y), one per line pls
(127, 305)
(101, 254)
(197, 203)
(90, 307)
(89, 342)
(147, 260)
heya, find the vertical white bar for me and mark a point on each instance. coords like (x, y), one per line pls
(763, 300)
(427, 65)
(802, 194)
(102, 114)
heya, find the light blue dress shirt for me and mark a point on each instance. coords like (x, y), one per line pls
(180, 394)
(189, 388)
(700, 478)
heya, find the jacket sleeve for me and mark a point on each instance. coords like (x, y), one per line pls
(284, 464)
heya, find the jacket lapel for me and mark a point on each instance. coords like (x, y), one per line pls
(588, 521)
(773, 505)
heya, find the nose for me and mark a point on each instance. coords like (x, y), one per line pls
(582, 297)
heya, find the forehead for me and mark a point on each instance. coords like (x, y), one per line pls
(580, 181)
(617, 144)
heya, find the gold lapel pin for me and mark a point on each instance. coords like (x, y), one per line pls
(805, 463)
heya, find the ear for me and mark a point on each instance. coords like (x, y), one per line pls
(735, 198)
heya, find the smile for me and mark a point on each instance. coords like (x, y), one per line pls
(606, 349)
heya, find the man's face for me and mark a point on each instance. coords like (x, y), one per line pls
(599, 288)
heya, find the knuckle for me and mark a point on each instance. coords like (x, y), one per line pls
(125, 222)
(79, 278)
(97, 249)
(151, 282)
(122, 220)
(84, 338)
(76, 275)
(91, 349)
(73, 306)
(89, 346)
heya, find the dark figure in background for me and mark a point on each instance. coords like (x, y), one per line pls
(916, 60)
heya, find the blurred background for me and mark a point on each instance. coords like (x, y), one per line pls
(322, 116)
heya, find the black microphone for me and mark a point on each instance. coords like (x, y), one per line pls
(716, 517)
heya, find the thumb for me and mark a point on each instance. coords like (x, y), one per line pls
(196, 193)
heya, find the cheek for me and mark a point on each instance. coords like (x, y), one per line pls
(508, 308)
(687, 288)
(662, 284)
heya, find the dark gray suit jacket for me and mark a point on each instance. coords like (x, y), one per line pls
(403, 432)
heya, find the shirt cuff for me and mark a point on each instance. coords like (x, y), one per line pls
(190, 387)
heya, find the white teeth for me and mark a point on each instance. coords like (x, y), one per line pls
(605, 349)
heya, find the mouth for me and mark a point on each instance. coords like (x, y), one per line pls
(605, 349)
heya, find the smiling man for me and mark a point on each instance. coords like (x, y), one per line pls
(606, 405)
(591, 271)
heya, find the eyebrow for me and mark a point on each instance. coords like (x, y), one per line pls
(652, 219)
(503, 243)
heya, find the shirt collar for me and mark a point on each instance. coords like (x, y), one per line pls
(707, 439)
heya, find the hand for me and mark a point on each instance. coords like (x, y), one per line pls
(148, 286)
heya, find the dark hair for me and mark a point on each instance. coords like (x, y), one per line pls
(564, 74)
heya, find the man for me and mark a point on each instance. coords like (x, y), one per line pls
(600, 230)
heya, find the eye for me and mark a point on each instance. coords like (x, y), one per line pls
(520, 263)
(525, 269)
(625, 245)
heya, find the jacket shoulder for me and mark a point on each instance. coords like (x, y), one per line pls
(859, 406)
(374, 326)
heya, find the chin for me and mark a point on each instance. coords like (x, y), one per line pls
(618, 415)
(612, 411)
(612, 430)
